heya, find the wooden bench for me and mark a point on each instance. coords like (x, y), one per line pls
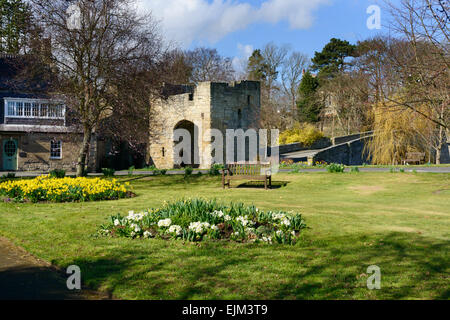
(414, 157)
(247, 171)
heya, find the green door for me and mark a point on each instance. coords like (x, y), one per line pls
(10, 155)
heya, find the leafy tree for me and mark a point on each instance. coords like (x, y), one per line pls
(332, 58)
(15, 25)
(308, 106)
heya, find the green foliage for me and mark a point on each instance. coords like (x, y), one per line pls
(199, 219)
(355, 170)
(332, 58)
(15, 23)
(163, 172)
(188, 171)
(335, 168)
(302, 133)
(57, 173)
(216, 169)
(309, 106)
(131, 170)
(108, 172)
(8, 176)
(257, 68)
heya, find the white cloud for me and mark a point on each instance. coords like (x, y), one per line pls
(240, 61)
(187, 20)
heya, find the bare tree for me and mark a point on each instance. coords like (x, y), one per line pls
(208, 65)
(106, 44)
(423, 64)
(274, 57)
(291, 75)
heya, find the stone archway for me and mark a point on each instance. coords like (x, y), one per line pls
(194, 159)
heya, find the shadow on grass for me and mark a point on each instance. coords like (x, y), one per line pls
(34, 283)
(260, 185)
(411, 266)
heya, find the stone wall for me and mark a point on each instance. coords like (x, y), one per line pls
(207, 106)
(350, 153)
(343, 139)
(295, 147)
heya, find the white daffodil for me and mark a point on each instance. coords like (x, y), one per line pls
(175, 230)
(147, 234)
(164, 223)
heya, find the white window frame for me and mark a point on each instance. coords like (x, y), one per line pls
(40, 102)
(60, 150)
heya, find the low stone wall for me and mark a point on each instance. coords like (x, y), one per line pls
(343, 139)
(294, 147)
(350, 153)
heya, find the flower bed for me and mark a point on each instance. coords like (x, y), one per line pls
(45, 188)
(198, 219)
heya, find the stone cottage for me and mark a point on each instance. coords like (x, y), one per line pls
(35, 131)
(197, 109)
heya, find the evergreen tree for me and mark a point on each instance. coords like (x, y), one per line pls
(15, 24)
(308, 106)
(332, 58)
(257, 68)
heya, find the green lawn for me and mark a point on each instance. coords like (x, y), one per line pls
(398, 221)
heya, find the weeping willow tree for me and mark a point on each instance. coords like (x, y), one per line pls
(399, 131)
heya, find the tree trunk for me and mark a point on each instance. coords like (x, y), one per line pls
(440, 145)
(84, 152)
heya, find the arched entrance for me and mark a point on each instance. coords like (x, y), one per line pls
(186, 153)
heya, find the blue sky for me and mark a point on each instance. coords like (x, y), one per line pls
(235, 27)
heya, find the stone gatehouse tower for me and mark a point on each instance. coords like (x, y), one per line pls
(208, 105)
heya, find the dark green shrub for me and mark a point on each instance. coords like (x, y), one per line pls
(108, 172)
(163, 172)
(8, 176)
(216, 169)
(57, 173)
(355, 169)
(335, 168)
(131, 170)
(188, 171)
